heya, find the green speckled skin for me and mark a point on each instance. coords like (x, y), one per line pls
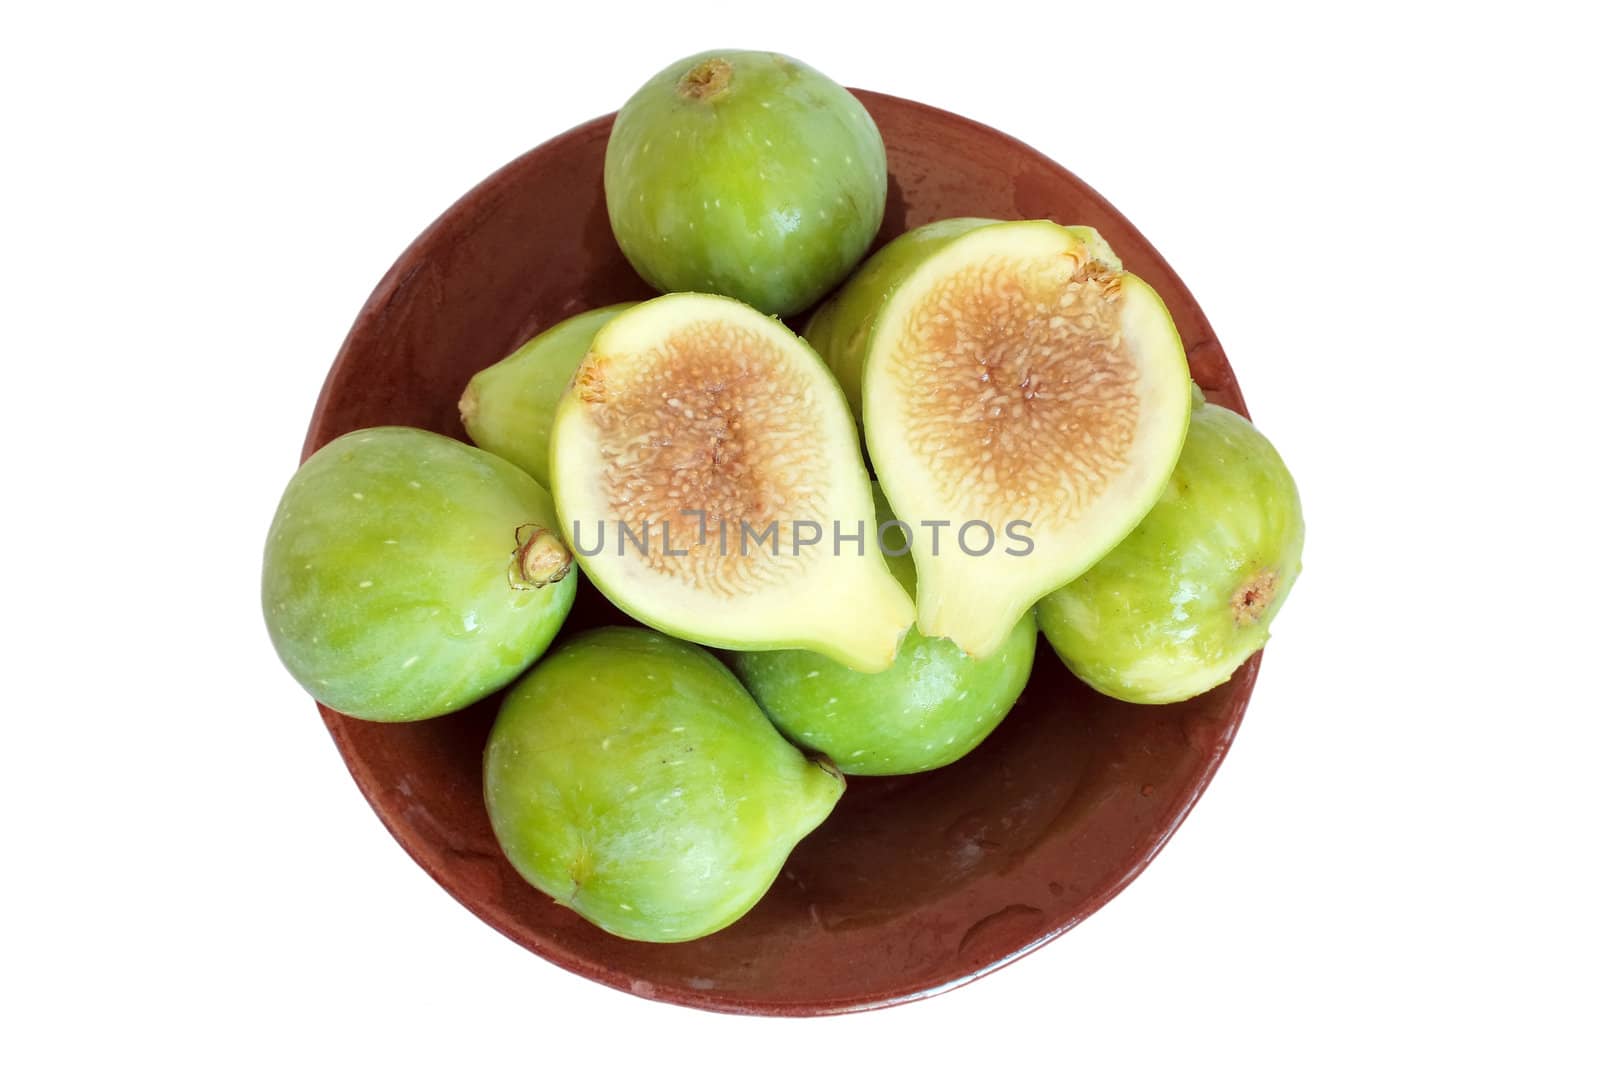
(1155, 621)
(632, 778)
(508, 406)
(933, 706)
(768, 191)
(386, 584)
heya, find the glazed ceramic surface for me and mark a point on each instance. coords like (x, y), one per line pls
(915, 884)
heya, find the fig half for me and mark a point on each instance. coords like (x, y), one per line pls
(1175, 608)
(1024, 400)
(709, 479)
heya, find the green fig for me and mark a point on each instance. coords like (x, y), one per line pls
(746, 174)
(1187, 597)
(631, 778)
(507, 407)
(930, 708)
(407, 575)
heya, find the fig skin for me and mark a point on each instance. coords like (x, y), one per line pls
(394, 583)
(1188, 596)
(631, 778)
(507, 407)
(934, 705)
(746, 174)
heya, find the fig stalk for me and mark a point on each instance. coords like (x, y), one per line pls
(706, 81)
(541, 558)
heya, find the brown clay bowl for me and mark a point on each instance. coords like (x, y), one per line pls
(915, 884)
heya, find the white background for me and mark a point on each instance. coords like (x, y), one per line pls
(1388, 212)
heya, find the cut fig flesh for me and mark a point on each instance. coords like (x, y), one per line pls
(1018, 384)
(707, 473)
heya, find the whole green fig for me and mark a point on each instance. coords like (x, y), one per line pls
(407, 575)
(1187, 597)
(632, 778)
(746, 174)
(932, 706)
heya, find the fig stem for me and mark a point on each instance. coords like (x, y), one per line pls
(540, 559)
(827, 764)
(706, 80)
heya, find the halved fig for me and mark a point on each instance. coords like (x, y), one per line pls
(708, 476)
(1024, 401)
(506, 407)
